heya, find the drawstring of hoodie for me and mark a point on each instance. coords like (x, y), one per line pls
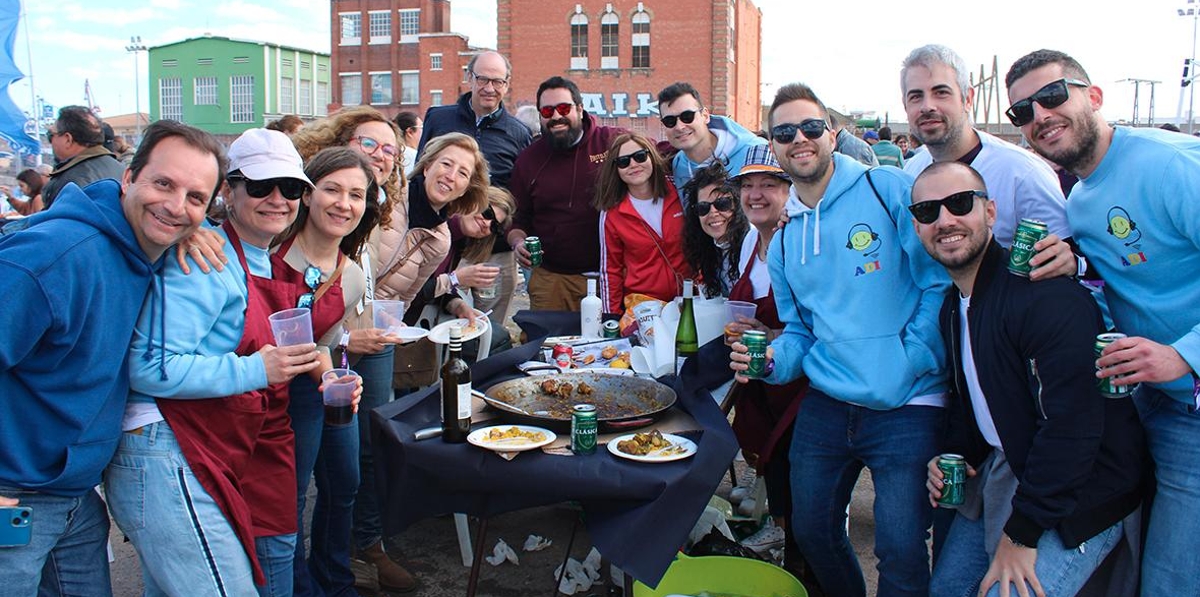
(158, 313)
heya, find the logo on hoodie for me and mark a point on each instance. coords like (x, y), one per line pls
(862, 239)
(1122, 227)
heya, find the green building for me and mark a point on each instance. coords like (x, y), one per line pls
(226, 86)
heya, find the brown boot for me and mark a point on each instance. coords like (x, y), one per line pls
(392, 576)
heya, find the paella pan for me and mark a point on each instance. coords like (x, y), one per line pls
(622, 402)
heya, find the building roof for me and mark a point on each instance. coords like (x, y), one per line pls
(127, 120)
(235, 40)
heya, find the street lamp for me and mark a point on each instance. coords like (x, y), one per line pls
(1191, 11)
(135, 46)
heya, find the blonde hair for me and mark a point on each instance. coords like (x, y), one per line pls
(475, 198)
(476, 250)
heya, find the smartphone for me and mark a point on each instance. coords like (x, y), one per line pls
(15, 529)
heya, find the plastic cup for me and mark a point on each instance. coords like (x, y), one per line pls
(338, 396)
(737, 310)
(292, 327)
(489, 291)
(389, 316)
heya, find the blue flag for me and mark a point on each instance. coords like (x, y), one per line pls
(12, 119)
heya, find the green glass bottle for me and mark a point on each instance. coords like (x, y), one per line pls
(686, 342)
(456, 392)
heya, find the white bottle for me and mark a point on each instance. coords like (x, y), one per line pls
(589, 312)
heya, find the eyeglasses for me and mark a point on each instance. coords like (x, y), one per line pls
(1051, 96)
(811, 128)
(687, 116)
(370, 146)
(291, 188)
(958, 204)
(489, 214)
(640, 156)
(50, 135)
(312, 279)
(724, 204)
(563, 109)
(497, 84)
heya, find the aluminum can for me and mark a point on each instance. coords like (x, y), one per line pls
(533, 244)
(954, 479)
(1105, 385)
(611, 328)
(756, 347)
(583, 429)
(563, 355)
(1028, 233)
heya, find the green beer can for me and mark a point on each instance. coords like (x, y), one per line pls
(533, 244)
(1028, 233)
(756, 347)
(1105, 385)
(954, 479)
(583, 429)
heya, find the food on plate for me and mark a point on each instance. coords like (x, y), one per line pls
(584, 389)
(642, 444)
(513, 433)
(587, 359)
(608, 352)
(565, 389)
(619, 364)
(550, 386)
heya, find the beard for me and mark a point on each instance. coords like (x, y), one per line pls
(1077, 157)
(965, 259)
(947, 138)
(564, 139)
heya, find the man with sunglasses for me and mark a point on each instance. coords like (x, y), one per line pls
(938, 101)
(700, 137)
(78, 143)
(1055, 464)
(554, 183)
(1136, 216)
(858, 298)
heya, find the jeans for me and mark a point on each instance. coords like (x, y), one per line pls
(276, 555)
(1172, 554)
(832, 441)
(67, 553)
(1060, 570)
(184, 542)
(331, 453)
(376, 372)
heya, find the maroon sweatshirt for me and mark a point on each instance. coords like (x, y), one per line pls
(554, 191)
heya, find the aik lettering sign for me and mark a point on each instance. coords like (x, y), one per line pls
(615, 105)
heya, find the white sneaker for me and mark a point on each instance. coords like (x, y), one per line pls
(765, 539)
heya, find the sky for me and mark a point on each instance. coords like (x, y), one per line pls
(849, 53)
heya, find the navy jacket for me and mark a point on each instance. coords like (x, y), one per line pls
(1079, 457)
(500, 135)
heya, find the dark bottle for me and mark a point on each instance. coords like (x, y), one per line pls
(686, 342)
(456, 392)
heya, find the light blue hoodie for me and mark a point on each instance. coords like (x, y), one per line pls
(858, 294)
(733, 141)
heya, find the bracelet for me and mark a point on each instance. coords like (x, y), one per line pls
(454, 285)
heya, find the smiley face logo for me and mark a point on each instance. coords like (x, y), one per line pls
(1122, 226)
(862, 239)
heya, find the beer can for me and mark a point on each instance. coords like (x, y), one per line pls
(1028, 233)
(954, 479)
(1105, 385)
(756, 347)
(611, 328)
(533, 244)
(583, 429)
(563, 355)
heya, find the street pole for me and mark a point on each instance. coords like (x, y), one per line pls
(1192, 93)
(135, 46)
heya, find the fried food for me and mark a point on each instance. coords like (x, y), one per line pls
(619, 364)
(550, 386)
(513, 433)
(584, 389)
(608, 352)
(564, 389)
(642, 444)
(588, 359)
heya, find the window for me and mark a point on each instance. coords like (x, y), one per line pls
(609, 39)
(351, 90)
(732, 49)
(241, 98)
(579, 39)
(205, 91)
(641, 39)
(287, 102)
(170, 99)
(435, 97)
(380, 24)
(410, 25)
(204, 62)
(306, 107)
(322, 98)
(435, 62)
(410, 87)
(170, 63)
(381, 89)
(351, 28)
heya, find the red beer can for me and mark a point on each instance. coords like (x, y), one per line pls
(562, 355)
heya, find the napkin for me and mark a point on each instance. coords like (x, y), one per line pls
(501, 553)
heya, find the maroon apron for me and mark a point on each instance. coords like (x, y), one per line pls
(764, 412)
(271, 481)
(218, 436)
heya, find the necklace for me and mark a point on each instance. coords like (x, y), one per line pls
(304, 253)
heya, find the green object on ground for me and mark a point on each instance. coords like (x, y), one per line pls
(723, 574)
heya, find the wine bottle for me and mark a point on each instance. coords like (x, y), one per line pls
(589, 312)
(456, 392)
(686, 343)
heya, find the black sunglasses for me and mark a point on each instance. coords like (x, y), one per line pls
(640, 156)
(563, 109)
(291, 188)
(312, 279)
(687, 116)
(811, 128)
(1051, 96)
(958, 204)
(489, 214)
(724, 204)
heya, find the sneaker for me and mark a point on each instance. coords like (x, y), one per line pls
(767, 538)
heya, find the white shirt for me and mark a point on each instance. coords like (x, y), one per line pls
(651, 211)
(983, 415)
(760, 276)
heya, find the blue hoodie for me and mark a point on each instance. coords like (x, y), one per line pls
(858, 294)
(733, 141)
(74, 281)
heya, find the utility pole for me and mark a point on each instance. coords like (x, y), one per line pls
(1137, 93)
(135, 46)
(1190, 10)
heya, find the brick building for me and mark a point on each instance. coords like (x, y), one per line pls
(396, 55)
(622, 52)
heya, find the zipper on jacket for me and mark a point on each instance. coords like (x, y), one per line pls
(955, 353)
(1033, 369)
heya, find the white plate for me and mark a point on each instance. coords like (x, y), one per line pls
(687, 445)
(408, 333)
(441, 332)
(510, 445)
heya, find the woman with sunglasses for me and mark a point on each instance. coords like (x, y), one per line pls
(714, 229)
(641, 225)
(202, 417)
(318, 249)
